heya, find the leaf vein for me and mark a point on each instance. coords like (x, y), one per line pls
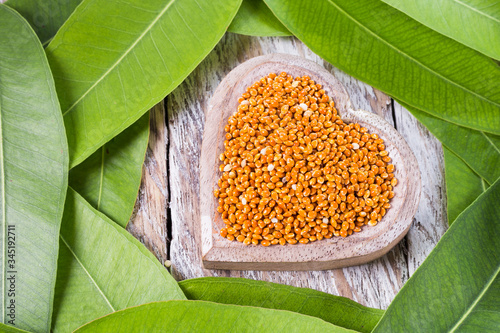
(86, 271)
(409, 57)
(478, 11)
(148, 28)
(476, 301)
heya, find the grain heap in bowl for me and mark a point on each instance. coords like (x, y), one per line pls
(294, 172)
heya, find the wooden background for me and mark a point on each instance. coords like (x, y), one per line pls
(168, 201)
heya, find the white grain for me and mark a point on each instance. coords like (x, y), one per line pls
(303, 106)
(355, 146)
(227, 168)
(270, 167)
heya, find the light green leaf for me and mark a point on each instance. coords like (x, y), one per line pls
(457, 288)
(44, 16)
(110, 178)
(102, 268)
(479, 150)
(255, 19)
(377, 44)
(33, 176)
(337, 310)
(475, 23)
(463, 185)
(114, 60)
(199, 316)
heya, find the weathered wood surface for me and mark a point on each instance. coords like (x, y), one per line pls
(336, 252)
(430, 222)
(149, 219)
(374, 284)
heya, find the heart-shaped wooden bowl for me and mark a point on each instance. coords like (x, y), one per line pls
(359, 248)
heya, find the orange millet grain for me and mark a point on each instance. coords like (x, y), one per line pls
(294, 172)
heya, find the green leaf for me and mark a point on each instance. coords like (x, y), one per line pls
(377, 44)
(33, 176)
(102, 268)
(475, 23)
(457, 288)
(44, 16)
(200, 316)
(110, 178)
(337, 310)
(114, 60)
(463, 185)
(255, 19)
(9, 329)
(479, 150)
(471, 160)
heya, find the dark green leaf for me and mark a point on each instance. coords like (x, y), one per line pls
(457, 288)
(463, 185)
(377, 44)
(471, 160)
(479, 150)
(114, 60)
(199, 316)
(475, 23)
(110, 178)
(102, 268)
(255, 19)
(45, 16)
(33, 176)
(337, 310)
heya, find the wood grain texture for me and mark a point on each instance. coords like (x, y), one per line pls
(336, 252)
(374, 284)
(430, 221)
(149, 219)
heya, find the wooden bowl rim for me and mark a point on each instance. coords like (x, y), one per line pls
(367, 245)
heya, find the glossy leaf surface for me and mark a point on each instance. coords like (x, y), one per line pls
(113, 61)
(475, 23)
(110, 178)
(45, 17)
(383, 47)
(457, 288)
(255, 19)
(199, 316)
(337, 310)
(102, 268)
(33, 176)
